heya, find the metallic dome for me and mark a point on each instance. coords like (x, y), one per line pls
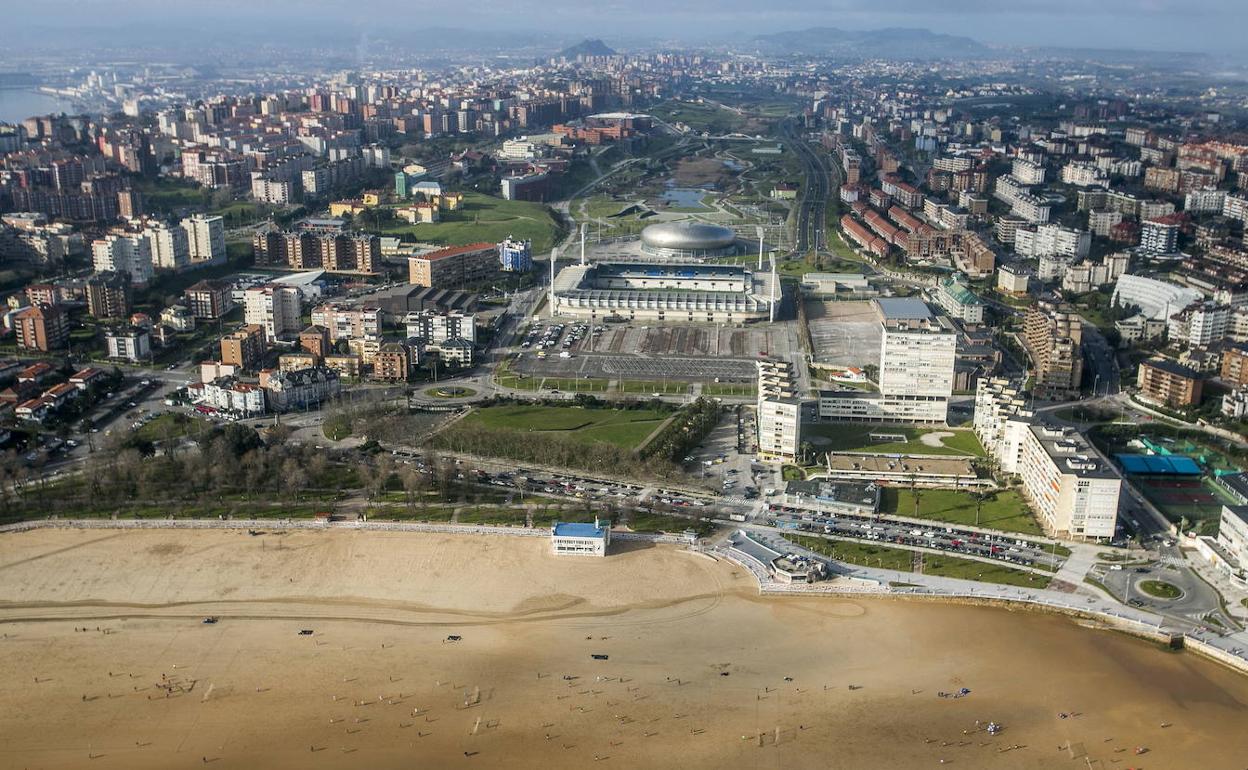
(688, 236)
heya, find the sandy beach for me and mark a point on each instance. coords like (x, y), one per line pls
(107, 664)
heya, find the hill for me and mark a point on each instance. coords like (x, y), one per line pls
(594, 47)
(891, 43)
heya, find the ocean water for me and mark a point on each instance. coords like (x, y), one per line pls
(17, 104)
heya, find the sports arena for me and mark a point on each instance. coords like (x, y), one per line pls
(674, 292)
(687, 239)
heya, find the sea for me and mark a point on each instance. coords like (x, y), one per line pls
(17, 104)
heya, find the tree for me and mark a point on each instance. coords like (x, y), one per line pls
(294, 478)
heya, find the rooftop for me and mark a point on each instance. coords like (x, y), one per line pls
(455, 251)
(574, 529)
(902, 309)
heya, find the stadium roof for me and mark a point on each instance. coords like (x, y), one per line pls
(1158, 465)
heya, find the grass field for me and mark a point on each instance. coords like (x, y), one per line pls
(171, 425)
(1004, 510)
(482, 218)
(625, 428)
(657, 522)
(855, 438)
(905, 561)
(1159, 589)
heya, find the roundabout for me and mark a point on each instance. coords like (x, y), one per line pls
(449, 392)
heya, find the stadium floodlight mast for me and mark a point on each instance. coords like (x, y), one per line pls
(759, 230)
(554, 257)
(583, 226)
(775, 283)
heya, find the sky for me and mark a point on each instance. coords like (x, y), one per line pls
(1180, 25)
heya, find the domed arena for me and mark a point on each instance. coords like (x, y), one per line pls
(688, 240)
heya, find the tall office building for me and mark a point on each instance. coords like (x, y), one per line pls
(917, 353)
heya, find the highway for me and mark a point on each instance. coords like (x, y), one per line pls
(813, 198)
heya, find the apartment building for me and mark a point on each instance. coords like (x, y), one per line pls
(455, 266)
(244, 348)
(169, 246)
(129, 253)
(301, 389)
(1235, 365)
(1199, 324)
(917, 356)
(275, 308)
(41, 327)
(957, 299)
(1072, 488)
(343, 322)
(1160, 235)
(1052, 240)
(209, 300)
(434, 327)
(205, 239)
(1052, 336)
(779, 412)
(108, 295)
(228, 394)
(394, 362)
(129, 344)
(1165, 382)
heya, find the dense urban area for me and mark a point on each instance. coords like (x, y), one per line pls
(965, 328)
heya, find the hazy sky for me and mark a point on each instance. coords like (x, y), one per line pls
(1147, 24)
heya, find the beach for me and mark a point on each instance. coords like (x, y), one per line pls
(459, 651)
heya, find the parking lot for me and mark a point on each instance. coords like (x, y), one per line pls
(624, 367)
(688, 353)
(844, 333)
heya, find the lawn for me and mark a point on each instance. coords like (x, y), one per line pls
(657, 522)
(168, 193)
(493, 516)
(838, 437)
(904, 561)
(1002, 510)
(1159, 589)
(625, 428)
(171, 425)
(482, 218)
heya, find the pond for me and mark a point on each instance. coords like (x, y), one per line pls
(684, 197)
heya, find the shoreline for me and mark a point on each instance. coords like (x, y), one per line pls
(503, 648)
(1176, 641)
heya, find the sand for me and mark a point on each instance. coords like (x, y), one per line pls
(812, 682)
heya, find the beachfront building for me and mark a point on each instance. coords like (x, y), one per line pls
(571, 538)
(1073, 490)
(779, 412)
(852, 498)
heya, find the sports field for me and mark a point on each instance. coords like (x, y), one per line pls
(1195, 498)
(624, 428)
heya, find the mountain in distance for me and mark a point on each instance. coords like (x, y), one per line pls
(892, 42)
(587, 47)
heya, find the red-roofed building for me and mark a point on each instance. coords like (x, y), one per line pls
(455, 266)
(85, 378)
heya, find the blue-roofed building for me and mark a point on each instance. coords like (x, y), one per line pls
(580, 538)
(1158, 465)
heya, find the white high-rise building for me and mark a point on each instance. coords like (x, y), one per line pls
(1052, 240)
(124, 252)
(169, 246)
(779, 412)
(205, 239)
(917, 354)
(277, 308)
(1072, 488)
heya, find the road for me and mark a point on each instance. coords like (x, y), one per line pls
(813, 197)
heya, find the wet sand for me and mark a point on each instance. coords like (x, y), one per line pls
(378, 684)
